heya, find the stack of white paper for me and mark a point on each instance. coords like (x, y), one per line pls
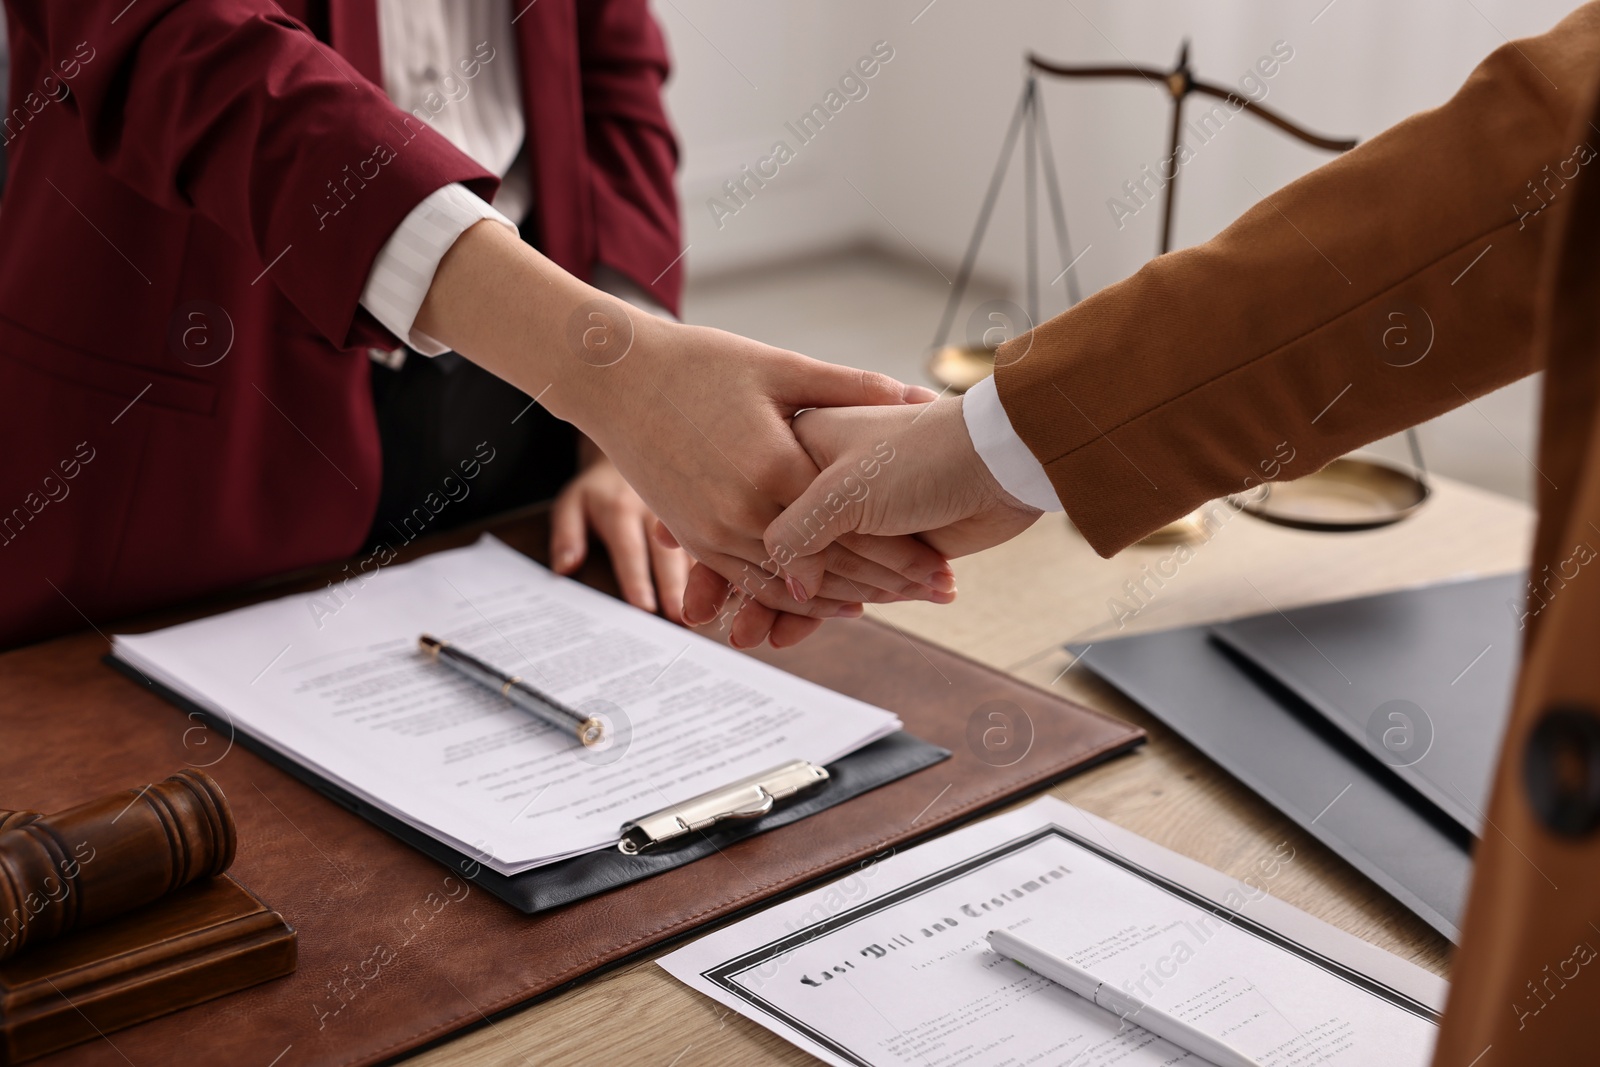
(334, 681)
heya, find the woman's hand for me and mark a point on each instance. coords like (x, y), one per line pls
(599, 498)
(696, 419)
(700, 424)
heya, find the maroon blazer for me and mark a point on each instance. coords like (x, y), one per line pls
(184, 400)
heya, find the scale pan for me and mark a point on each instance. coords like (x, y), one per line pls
(960, 367)
(1345, 496)
(1187, 530)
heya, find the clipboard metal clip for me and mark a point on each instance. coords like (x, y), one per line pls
(748, 798)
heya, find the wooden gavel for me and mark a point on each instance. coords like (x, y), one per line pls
(98, 860)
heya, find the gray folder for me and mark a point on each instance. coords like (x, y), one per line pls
(1372, 723)
(1284, 751)
(1421, 677)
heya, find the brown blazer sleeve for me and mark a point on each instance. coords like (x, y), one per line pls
(1298, 329)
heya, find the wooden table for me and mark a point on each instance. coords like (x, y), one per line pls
(1019, 603)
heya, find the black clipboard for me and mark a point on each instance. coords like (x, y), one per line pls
(574, 879)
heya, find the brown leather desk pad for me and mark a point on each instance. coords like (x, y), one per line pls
(395, 951)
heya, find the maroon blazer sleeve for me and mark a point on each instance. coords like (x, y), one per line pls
(232, 109)
(632, 151)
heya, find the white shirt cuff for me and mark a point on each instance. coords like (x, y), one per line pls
(407, 262)
(1008, 458)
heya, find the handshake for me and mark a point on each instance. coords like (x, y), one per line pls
(802, 490)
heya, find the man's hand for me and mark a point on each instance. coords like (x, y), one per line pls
(893, 471)
(886, 471)
(598, 497)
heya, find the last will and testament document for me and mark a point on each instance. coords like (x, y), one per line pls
(333, 680)
(889, 966)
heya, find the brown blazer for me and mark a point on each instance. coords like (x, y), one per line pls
(1450, 255)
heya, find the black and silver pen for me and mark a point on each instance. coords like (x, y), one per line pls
(590, 731)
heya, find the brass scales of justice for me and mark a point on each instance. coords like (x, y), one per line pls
(1348, 494)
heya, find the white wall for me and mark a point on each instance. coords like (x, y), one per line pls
(742, 71)
(921, 145)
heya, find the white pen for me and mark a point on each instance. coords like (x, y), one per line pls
(1130, 1009)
